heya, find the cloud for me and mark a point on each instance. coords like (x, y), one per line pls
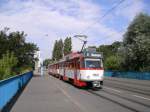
(61, 18)
(131, 8)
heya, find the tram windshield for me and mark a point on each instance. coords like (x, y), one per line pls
(93, 64)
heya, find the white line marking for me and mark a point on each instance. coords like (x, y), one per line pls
(113, 89)
(141, 97)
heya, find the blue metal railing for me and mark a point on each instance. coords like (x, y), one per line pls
(130, 75)
(9, 87)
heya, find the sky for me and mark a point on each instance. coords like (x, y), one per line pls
(45, 21)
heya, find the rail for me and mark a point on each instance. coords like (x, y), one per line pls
(10, 87)
(130, 75)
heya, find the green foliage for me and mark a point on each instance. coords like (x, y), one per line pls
(7, 63)
(54, 50)
(61, 48)
(57, 50)
(113, 63)
(109, 50)
(26, 57)
(136, 44)
(23, 51)
(67, 45)
(132, 54)
(15, 42)
(46, 62)
(3, 42)
(109, 53)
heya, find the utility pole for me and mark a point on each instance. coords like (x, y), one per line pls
(80, 37)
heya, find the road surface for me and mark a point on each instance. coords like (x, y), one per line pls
(49, 94)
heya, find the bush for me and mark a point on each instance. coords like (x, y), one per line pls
(112, 63)
(7, 63)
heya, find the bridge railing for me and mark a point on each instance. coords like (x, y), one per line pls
(9, 87)
(130, 75)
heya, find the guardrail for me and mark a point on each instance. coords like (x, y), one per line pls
(130, 75)
(10, 87)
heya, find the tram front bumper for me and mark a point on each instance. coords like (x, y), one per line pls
(97, 84)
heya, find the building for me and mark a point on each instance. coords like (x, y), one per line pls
(38, 62)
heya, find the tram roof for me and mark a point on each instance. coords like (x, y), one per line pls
(75, 55)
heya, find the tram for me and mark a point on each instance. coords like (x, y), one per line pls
(83, 69)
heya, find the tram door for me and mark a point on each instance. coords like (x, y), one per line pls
(76, 67)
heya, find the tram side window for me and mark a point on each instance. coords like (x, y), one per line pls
(67, 65)
(82, 64)
(60, 66)
(78, 65)
(72, 65)
(64, 65)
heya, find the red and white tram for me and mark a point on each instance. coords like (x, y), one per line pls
(82, 69)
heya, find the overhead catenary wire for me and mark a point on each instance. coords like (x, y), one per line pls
(117, 4)
(112, 34)
(104, 38)
(104, 15)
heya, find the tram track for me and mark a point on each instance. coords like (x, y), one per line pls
(126, 98)
(126, 93)
(120, 98)
(123, 97)
(127, 87)
(121, 103)
(113, 101)
(143, 83)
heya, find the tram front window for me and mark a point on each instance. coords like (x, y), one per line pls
(92, 64)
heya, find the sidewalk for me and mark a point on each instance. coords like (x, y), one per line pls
(42, 95)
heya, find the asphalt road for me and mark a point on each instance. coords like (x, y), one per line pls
(49, 94)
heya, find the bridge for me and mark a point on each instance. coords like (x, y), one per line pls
(49, 94)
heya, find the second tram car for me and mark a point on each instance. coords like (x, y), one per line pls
(82, 69)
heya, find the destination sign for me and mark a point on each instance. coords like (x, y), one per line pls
(96, 55)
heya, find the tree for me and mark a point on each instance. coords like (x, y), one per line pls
(54, 51)
(136, 44)
(46, 62)
(15, 42)
(23, 51)
(113, 63)
(67, 46)
(27, 56)
(7, 63)
(3, 41)
(57, 50)
(109, 52)
(60, 49)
